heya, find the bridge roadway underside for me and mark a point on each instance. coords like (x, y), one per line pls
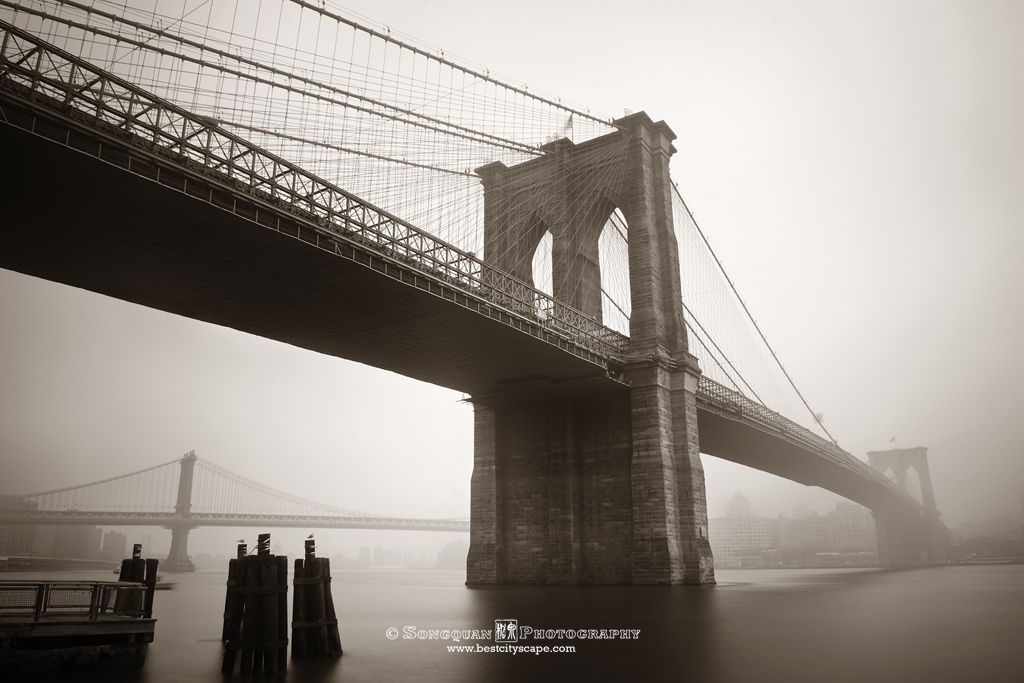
(70, 218)
(760, 449)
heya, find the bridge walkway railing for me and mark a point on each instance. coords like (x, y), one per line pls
(44, 75)
(731, 403)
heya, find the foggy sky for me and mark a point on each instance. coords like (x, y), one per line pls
(857, 167)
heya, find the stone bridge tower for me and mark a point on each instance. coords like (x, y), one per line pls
(904, 541)
(591, 482)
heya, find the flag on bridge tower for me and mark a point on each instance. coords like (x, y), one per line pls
(892, 440)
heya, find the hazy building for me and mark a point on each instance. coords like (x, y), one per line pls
(813, 532)
(147, 545)
(853, 528)
(79, 542)
(738, 506)
(739, 539)
(44, 541)
(453, 555)
(16, 539)
(115, 546)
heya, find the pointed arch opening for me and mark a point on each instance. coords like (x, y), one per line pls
(541, 268)
(912, 484)
(613, 253)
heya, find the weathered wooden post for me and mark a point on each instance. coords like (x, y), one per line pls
(299, 609)
(282, 612)
(133, 570)
(331, 620)
(314, 621)
(256, 611)
(147, 606)
(316, 637)
(232, 599)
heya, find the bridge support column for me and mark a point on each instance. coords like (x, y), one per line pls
(550, 490)
(178, 559)
(670, 539)
(485, 562)
(906, 540)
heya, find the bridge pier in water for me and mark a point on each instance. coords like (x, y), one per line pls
(577, 485)
(178, 559)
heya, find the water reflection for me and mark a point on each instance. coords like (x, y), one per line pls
(936, 625)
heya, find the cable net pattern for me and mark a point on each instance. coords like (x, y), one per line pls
(217, 490)
(724, 335)
(401, 125)
(155, 490)
(397, 124)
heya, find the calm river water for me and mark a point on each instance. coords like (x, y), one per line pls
(924, 625)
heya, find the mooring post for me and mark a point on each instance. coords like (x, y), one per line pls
(314, 621)
(316, 636)
(256, 611)
(250, 612)
(267, 649)
(133, 570)
(232, 604)
(282, 612)
(331, 621)
(298, 611)
(151, 586)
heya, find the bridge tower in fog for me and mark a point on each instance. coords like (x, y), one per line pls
(178, 559)
(601, 483)
(904, 540)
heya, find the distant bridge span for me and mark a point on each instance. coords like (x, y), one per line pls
(191, 492)
(165, 519)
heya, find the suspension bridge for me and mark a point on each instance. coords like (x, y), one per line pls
(296, 174)
(191, 492)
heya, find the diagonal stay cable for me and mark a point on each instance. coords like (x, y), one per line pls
(746, 310)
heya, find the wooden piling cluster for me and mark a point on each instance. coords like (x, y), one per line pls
(137, 570)
(256, 611)
(314, 621)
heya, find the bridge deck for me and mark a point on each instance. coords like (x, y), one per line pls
(152, 245)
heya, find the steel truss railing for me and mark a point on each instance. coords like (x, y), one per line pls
(731, 403)
(71, 86)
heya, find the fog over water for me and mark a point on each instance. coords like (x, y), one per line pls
(857, 166)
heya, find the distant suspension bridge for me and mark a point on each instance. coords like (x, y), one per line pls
(190, 492)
